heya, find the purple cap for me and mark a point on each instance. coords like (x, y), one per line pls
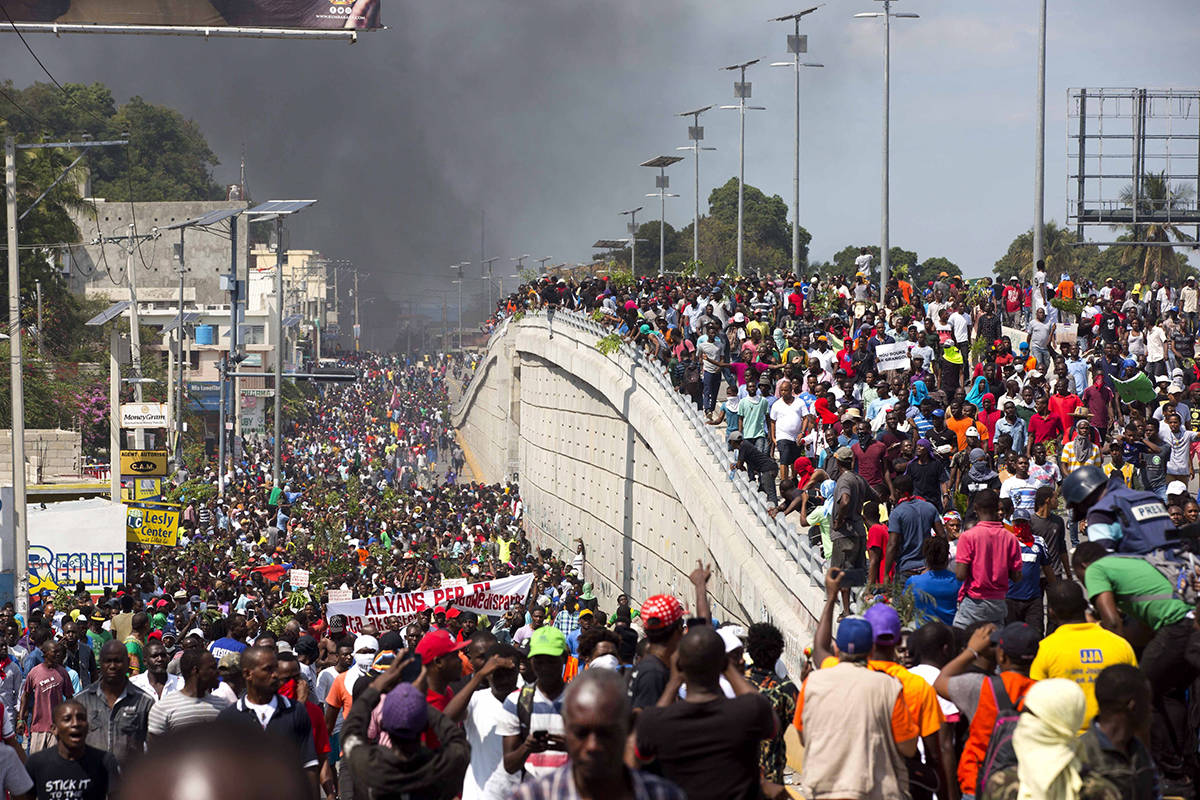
(885, 623)
(405, 714)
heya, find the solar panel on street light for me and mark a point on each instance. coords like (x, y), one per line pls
(797, 15)
(742, 65)
(108, 314)
(660, 162)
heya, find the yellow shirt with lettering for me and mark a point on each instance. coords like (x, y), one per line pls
(1079, 652)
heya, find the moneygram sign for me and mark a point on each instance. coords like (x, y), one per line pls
(302, 14)
(143, 415)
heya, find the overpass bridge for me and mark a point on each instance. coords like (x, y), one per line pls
(608, 452)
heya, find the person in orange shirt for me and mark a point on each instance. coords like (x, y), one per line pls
(959, 422)
(1066, 287)
(846, 693)
(1011, 648)
(936, 773)
(906, 290)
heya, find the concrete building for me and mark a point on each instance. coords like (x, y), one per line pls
(207, 255)
(307, 292)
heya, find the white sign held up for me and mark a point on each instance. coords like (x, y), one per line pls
(892, 356)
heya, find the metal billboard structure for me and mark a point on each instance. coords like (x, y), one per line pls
(1133, 160)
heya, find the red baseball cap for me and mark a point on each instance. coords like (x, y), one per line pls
(451, 613)
(660, 612)
(439, 609)
(436, 644)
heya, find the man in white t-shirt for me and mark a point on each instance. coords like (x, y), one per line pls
(1019, 489)
(486, 778)
(786, 426)
(1156, 351)
(862, 262)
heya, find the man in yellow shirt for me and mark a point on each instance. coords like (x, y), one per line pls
(1077, 650)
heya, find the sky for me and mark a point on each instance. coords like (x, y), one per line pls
(537, 113)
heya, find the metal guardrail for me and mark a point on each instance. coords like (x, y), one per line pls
(793, 542)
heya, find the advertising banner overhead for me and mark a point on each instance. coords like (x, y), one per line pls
(486, 597)
(301, 14)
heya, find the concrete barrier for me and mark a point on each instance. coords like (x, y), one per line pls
(607, 452)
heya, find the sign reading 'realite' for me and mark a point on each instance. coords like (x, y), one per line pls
(143, 415)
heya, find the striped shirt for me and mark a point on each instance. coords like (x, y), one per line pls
(178, 710)
(546, 716)
(560, 785)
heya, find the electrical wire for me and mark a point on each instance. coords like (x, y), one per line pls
(128, 160)
(12, 101)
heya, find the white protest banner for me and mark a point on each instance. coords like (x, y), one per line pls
(298, 578)
(340, 595)
(892, 356)
(486, 597)
(1066, 333)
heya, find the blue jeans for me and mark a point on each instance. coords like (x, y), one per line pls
(711, 382)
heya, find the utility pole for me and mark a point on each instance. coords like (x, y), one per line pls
(135, 334)
(131, 242)
(279, 350)
(797, 45)
(20, 529)
(885, 198)
(696, 134)
(1039, 157)
(663, 183)
(178, 449)
(633, 240)
(741, 90)
(40, 335)
(357, 328)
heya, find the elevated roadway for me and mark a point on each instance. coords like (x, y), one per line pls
(606, 451)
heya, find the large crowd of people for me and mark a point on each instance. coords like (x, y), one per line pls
(1010, 602)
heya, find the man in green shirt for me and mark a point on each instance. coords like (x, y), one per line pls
(752, 417)
(1130, 585)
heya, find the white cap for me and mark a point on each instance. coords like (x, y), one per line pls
(973, 431)
(730, 637)
(739, 317)
(1176, 487)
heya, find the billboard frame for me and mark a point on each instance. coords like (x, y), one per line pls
(1147, 128)
(205, 31)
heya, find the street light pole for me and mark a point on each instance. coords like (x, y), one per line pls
(278, 358)
(632, 228)
(1039, 169)
(797, 45)
(884, 221)
(20, 523)
(741, 90)
(663, 183)
(696, 135)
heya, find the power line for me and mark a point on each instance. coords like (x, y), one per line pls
(102, 121)
(12, 101)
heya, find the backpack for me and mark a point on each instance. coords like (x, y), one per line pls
(1177, 570)
(525, 708)
(691, 374)
(1000, 753)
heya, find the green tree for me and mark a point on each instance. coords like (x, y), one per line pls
(1062, 256)
(898, 257)
(767, 244)
(931, 268)
(1156, 197)
(167, 157)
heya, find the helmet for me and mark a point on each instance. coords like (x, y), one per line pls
(1081, 483)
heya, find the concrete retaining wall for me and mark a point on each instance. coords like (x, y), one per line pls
(603, 454)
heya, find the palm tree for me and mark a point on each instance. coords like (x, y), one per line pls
(1155, 197)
